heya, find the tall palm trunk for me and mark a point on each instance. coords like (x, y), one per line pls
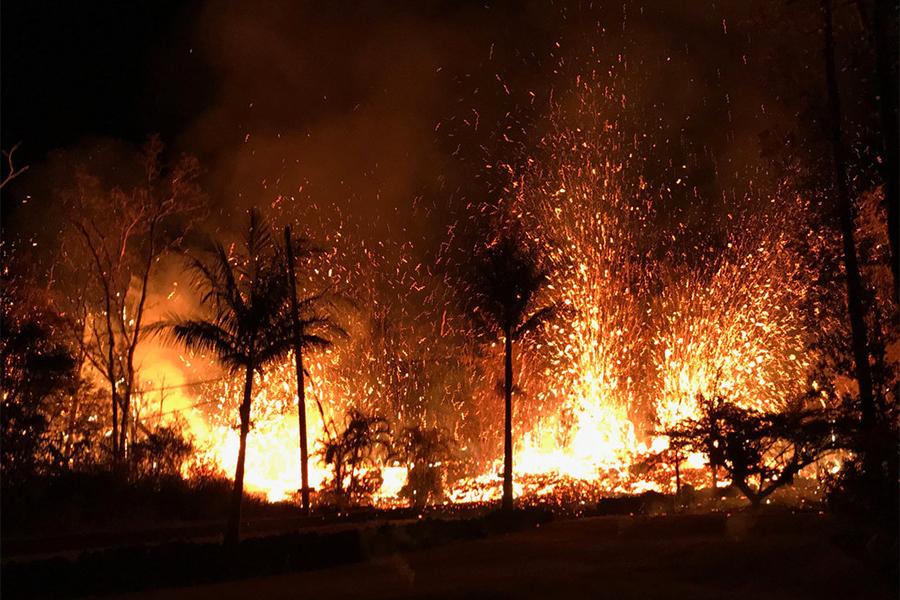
(507, 426)
(233, 527)
(298, 358)
(855, 306)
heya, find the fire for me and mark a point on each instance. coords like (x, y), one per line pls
(735, 332)
(273, 444)
(658, 314)
(273, 457)
(650, 332)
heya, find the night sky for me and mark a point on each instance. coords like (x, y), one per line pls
(378, 109)
(75, 68)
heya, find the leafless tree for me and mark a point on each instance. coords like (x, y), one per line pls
(11, 170)
(114, 240)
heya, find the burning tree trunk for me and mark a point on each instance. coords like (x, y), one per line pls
(854, 281)
(507, 424)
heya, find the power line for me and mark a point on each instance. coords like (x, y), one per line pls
(159, 415)
(166, 388)
(188, 407)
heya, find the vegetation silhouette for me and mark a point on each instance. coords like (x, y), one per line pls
(425, 452)
(114, 238)
(504, 286)
(759, 451)
(353, 452)
(245, 326)
(36, 365)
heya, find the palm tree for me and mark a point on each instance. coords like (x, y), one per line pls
(364, 442)
(504, 289)
(245, 328)
(310, 329)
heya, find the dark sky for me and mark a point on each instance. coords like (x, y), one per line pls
(73, 68)
(382, 106)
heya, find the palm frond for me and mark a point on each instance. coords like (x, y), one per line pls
(504, 282)
(322, 327)
(206, 336)
(315, 342)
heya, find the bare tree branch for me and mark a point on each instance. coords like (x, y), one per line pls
(11, 171)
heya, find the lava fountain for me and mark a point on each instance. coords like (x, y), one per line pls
(659, 314)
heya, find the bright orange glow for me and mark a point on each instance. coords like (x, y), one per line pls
(653, 317)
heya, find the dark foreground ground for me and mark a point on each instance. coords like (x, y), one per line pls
(769, 556)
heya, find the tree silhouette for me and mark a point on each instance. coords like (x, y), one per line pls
(364, 441)
(855, 287)
(113, 243)
(504, 286)
(246, 299)
(35, 365)
(760, 451)
(425, 451)
(311, 329)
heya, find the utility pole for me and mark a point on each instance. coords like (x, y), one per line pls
(298, 358)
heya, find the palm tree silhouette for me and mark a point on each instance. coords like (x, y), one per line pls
(246, 326)
(505, 283)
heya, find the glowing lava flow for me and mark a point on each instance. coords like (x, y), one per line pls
(650, 330)
(273, 450)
